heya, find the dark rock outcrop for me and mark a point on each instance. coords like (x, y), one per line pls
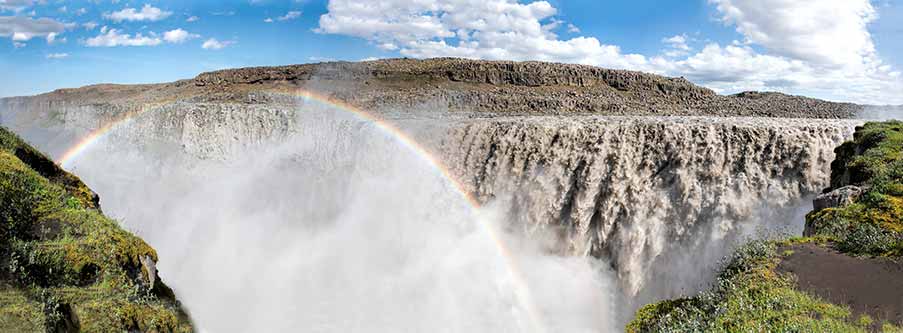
(837, 198)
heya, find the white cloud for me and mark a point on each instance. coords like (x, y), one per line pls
(147, 13)
(112, 37)
(490, 29)
(828, 38)
(573, 28)
(52, 38)
(817, 48)
(807, 30)
(15, 5)
(214, 44)
(81, 11)
(192, 19)
(677, 46)
(57, 55)
(90, 25)
(21, 28)
(178, 36)
(291, 15)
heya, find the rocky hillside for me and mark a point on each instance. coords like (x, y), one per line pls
(847, 276)
(408, 85)
(64, 267)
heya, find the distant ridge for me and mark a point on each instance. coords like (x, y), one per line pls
(461, 85)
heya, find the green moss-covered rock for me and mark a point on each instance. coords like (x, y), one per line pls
(872, 224)
(64, 266)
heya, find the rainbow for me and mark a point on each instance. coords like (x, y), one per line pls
(521, 290)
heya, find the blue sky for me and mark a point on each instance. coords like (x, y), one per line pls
(835, 49)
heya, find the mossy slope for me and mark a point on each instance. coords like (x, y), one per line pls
(64, 266)
(873, 223)
(750, 295)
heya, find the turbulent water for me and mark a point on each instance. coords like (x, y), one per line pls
(662, 198)
(276, 219)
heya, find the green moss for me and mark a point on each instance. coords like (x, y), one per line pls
(63, 263)
(749, 296)
(18, 312)
(37, 162)
(873, 225)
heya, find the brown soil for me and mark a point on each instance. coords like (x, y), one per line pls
(871, 286)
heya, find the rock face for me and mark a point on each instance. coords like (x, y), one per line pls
(837, 198)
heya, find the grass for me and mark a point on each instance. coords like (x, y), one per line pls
(750, 296)
(63, 264)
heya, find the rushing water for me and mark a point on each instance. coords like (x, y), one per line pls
(325, 222)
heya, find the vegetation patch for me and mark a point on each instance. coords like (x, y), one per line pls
(66, 267)
(751, 296)
(872, 224)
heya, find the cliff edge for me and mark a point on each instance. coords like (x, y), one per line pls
(64, 266)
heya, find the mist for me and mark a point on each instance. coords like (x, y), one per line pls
(881, 113)
(312, 219)
(339, 228)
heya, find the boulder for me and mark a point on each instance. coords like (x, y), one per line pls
(838, 197)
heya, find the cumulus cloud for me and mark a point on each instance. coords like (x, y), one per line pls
(817, 48)
(178, 36)
(57, 55)
(192, 19)
(491, 29)
(113, 37)
(20, 28)
(90, 25)
(147, 13)
(807, 30)
(826, 43)
(214, 44)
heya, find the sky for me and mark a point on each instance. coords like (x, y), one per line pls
(842, 50)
